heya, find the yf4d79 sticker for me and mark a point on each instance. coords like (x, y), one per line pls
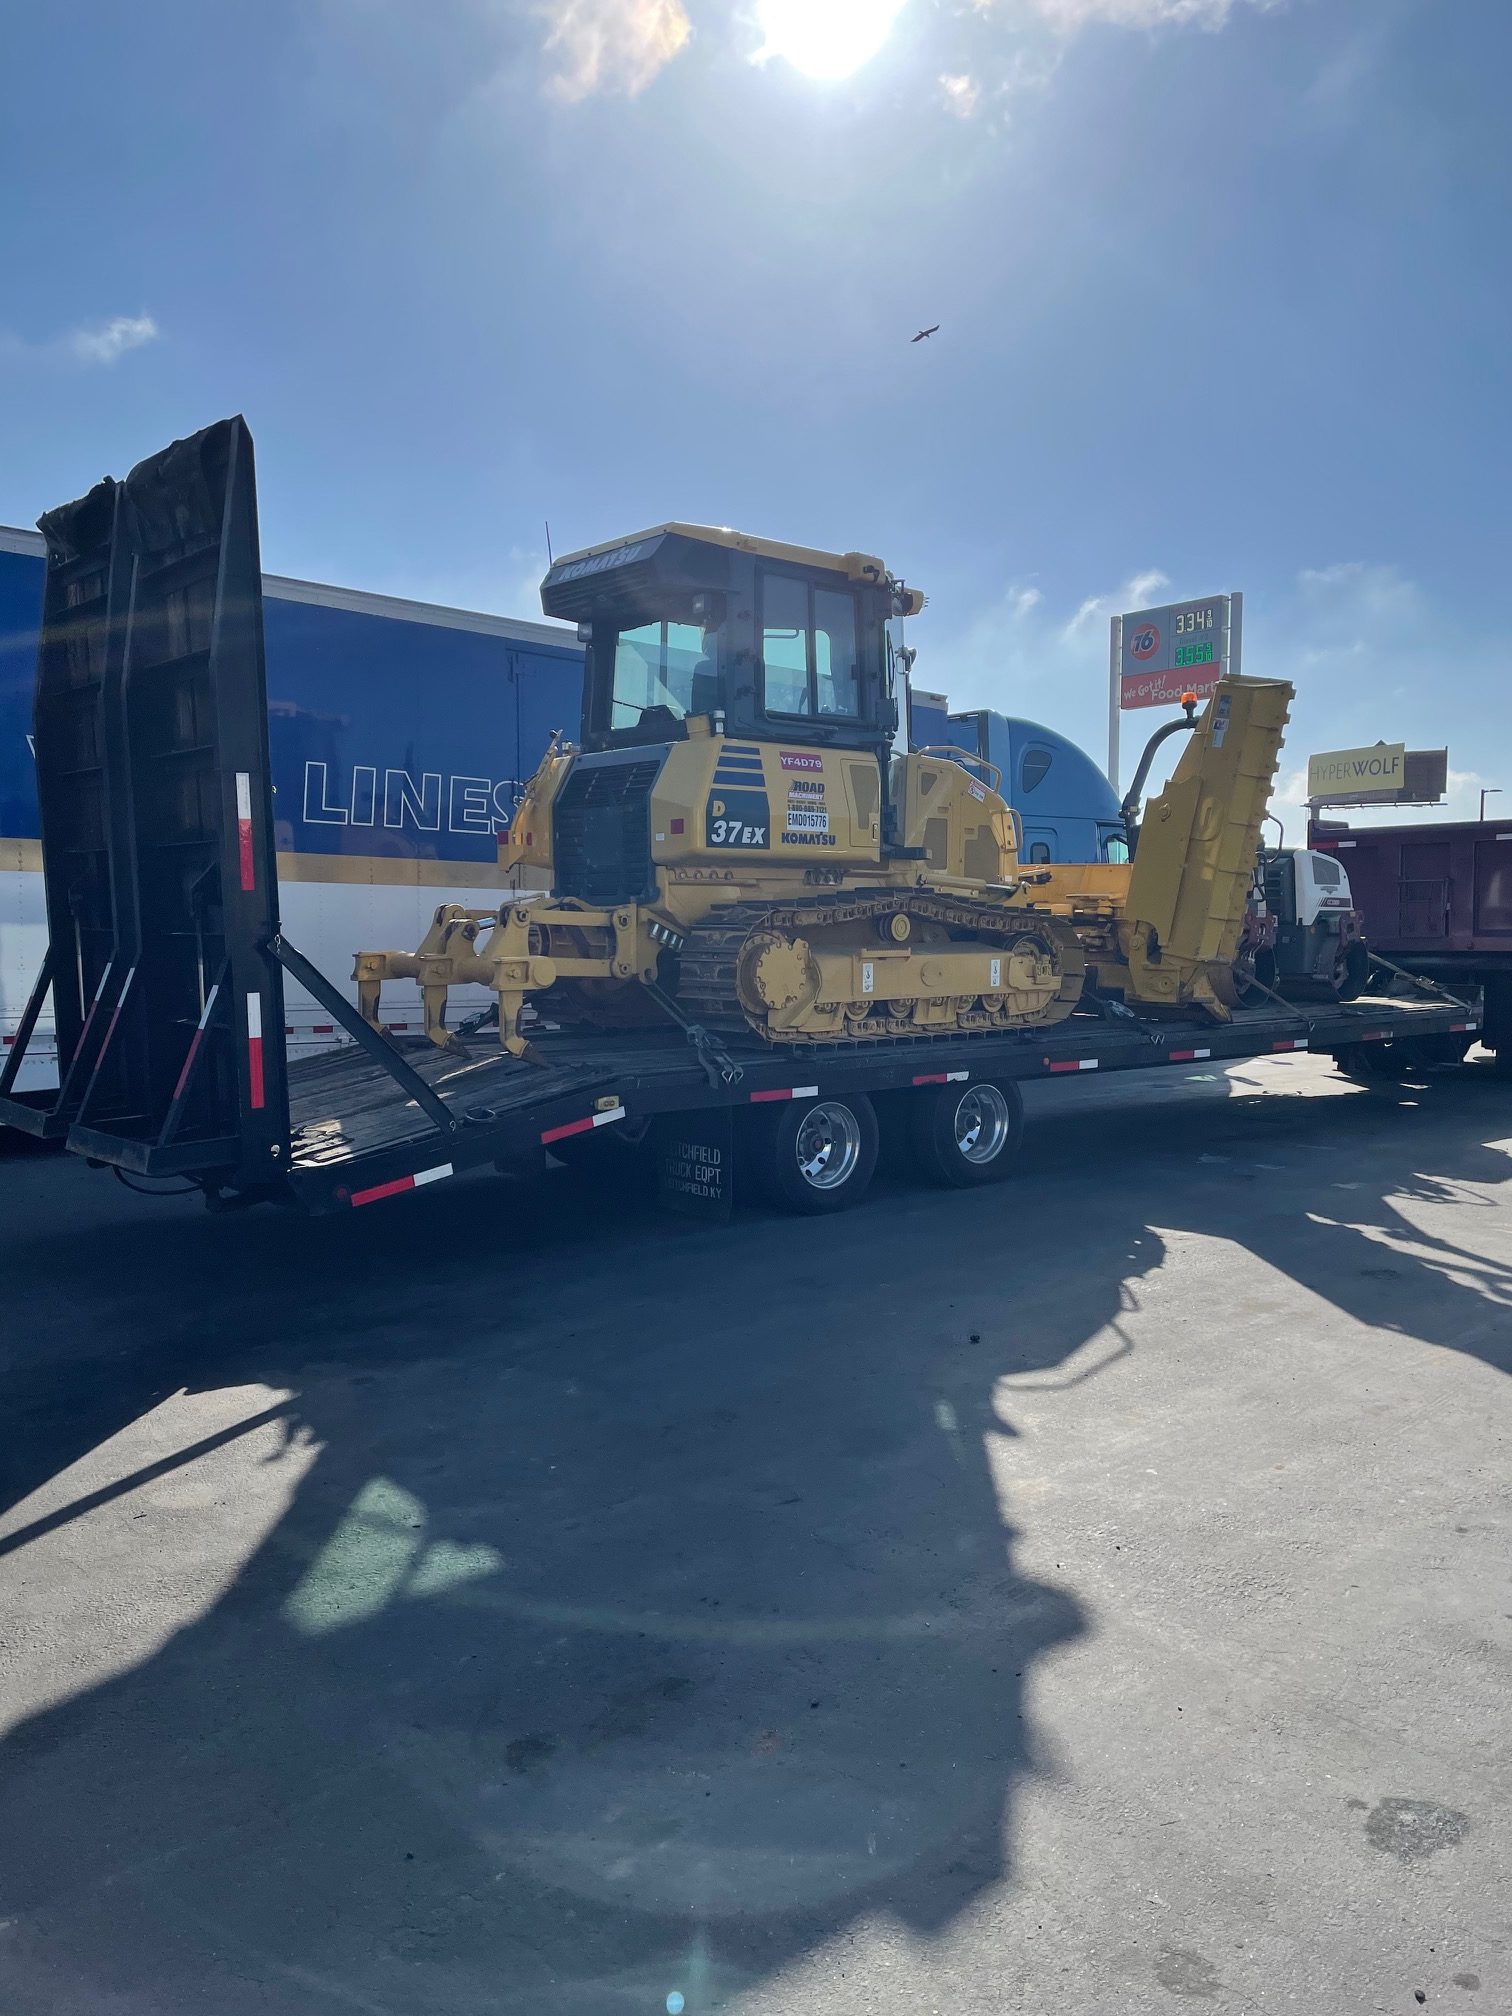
(738, 819)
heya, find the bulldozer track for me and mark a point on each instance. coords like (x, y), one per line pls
(710, 957)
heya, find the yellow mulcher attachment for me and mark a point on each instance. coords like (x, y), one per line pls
(1163, 930)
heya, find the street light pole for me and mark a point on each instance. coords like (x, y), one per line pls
(1488, 791)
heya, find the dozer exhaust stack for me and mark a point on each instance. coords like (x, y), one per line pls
(1192, 868)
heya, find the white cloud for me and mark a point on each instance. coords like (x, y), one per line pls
(1043, 30)
(961, 95)
(1134, 594)
(1067, 16)
(1022, 600)
(104, 342)
(89, 343)
(613, 46)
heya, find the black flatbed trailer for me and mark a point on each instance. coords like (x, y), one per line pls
(356, 1138)
(167, 959)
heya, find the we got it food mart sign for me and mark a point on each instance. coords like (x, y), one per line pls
(1185, 647)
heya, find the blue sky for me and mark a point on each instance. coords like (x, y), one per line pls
(1223, 289)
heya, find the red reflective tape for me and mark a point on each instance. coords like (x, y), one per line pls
(786, 1092)
(1460, 1028)
(7, 1039)
(561, 1133)
(382, 1190)
(183, 1077)
(415, 1182)
(931, 1078)
(120, 1004)
(94, 1004)
(244, 829)
(255, 1092)
(1300, 1043)
(761, 1098)
(323, 1029)
(1071, 1063)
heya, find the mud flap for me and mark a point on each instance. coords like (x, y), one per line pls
(695, 1163)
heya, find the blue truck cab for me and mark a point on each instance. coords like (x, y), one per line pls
(1068, 808)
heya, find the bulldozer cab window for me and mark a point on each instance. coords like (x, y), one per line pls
(836, 674)
(671, 668)
(785, 644)
(808, 649)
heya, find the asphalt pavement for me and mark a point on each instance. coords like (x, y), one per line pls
(1084, 1595)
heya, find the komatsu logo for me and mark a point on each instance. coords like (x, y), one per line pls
(597, 563)
(430, 802)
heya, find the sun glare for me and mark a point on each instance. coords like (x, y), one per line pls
(826, 38)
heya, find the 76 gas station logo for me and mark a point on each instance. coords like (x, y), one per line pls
(1145, 642)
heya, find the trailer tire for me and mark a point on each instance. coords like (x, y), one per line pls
(1360, 1062)
(818, 1155)
(965, 1135)
(1436, 1053)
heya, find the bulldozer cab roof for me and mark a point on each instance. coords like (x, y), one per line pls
(677, 554)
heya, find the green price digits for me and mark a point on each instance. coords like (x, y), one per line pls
(1194, 654)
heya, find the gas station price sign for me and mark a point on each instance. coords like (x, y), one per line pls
(1183, 647)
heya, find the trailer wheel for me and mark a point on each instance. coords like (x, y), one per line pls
(967, 1134)
(1428, 1053)
(1358, 1061)
(819, 1154)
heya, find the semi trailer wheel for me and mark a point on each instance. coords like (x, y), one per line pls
(819, 1155)
(967, 1134)
(1407, 1057)
(1358, 1061)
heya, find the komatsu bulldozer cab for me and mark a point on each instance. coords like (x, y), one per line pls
(697, 629)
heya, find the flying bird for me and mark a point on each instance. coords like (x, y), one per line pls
(923, 333)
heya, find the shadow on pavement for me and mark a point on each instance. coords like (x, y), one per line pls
(645, 1613)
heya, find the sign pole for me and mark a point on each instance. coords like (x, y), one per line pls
(1115, 670)
(1236, 632)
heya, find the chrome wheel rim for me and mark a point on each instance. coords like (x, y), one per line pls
(828, 1146)
(981, 1124)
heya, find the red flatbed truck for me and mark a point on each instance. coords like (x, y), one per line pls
(1437, 901)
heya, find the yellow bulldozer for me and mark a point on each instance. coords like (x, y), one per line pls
(735, 841)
